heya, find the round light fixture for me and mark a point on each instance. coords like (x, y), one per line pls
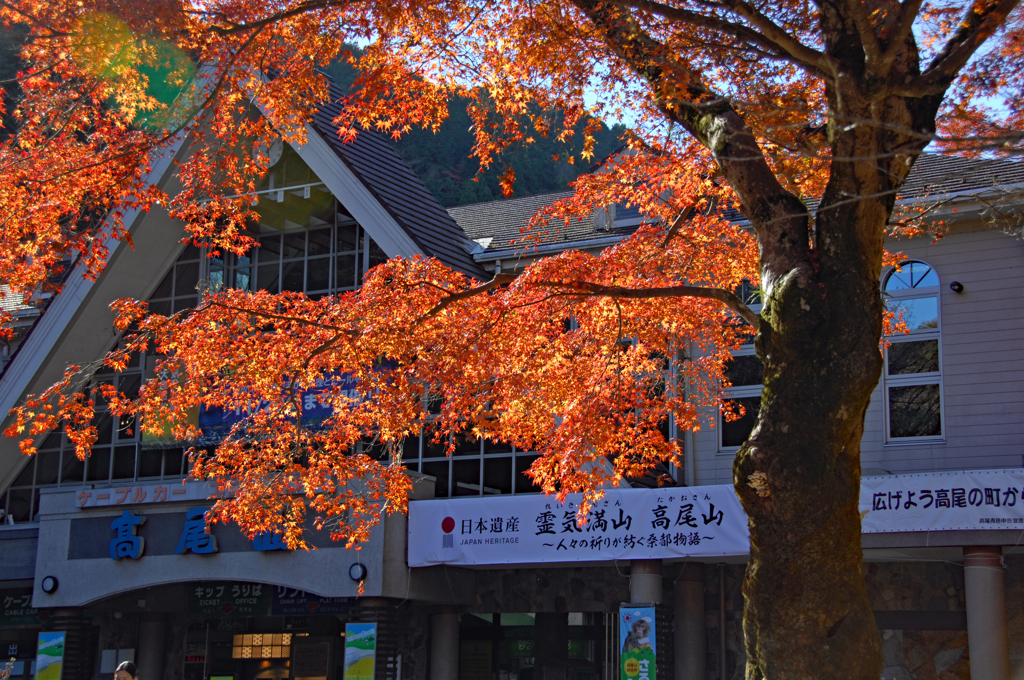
(357, 572)
(49, 584)
(956, 287)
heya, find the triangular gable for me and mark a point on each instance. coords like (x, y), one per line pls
(367, 177)
(394, 187)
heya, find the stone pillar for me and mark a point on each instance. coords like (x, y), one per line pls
(987, 640)
(444, 645)
(690, 638)
(150, 649)
(645, 581)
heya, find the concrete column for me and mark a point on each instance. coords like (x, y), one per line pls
(444, 645)
(151, 647)
(988, 643)
(690, 643)
(645, 581)
(551, 645)
(79, 648)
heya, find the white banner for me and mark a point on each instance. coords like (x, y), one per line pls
(698, 521)
(943, 501)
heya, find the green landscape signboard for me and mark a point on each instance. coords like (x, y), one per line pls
(360, 650)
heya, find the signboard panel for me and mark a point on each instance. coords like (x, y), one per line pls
(50, 656)
(625, 524)
(16, 608)
(294, 602)
(697, 521)
(224, 598)
(943, 501)
(638, 652)
(360, 650)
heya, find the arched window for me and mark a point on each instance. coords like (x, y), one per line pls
(913, 361)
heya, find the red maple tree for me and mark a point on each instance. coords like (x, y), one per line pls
(807, 117)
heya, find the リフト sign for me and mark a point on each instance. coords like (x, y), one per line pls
(625, 524)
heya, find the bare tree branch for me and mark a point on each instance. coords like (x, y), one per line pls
(981, 20)
(789, 48)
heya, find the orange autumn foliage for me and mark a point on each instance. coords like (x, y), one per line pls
(110, 85)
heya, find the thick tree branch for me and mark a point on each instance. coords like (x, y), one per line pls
(232, 27)
(909, 10)
(781, 221)
(789, 49)
(826, 65)
(728, 298)
(869, 41)
(586, 288)
(982, 19)
(452, 298)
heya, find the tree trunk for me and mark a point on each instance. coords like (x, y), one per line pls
(806, 611)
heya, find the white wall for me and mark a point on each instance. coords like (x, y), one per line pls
(982, 364)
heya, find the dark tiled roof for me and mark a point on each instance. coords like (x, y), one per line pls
(504, 220)
(401, 193)
(934, 174)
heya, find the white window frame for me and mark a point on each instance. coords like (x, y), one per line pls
(731, 393)
(913, 379)
(744, 391)
(618, 222)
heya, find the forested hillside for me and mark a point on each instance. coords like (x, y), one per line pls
(444, 164)
(441, 160)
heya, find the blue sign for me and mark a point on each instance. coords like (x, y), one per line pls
(216, 423)
(266, 541)
(126, 543)
(195, 536)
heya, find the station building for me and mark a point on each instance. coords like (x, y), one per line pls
(113, 551)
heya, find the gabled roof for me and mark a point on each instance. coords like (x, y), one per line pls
(504, 221)
(401, 192)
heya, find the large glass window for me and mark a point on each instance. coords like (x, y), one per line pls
(477, 468)
(913, 361)
(116, 458)
(308, 243)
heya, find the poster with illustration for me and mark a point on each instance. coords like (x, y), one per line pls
(360, 650)
(50, 656)
(636, 640)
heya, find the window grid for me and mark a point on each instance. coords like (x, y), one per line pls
(116, 458)
(746, 373)
(912, 380)
(320, 258)
(476, 468)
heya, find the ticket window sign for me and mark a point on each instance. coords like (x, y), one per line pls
(637, 643)
(50, 656)
(360, 650)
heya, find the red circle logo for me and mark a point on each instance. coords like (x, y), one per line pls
(448, 525)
